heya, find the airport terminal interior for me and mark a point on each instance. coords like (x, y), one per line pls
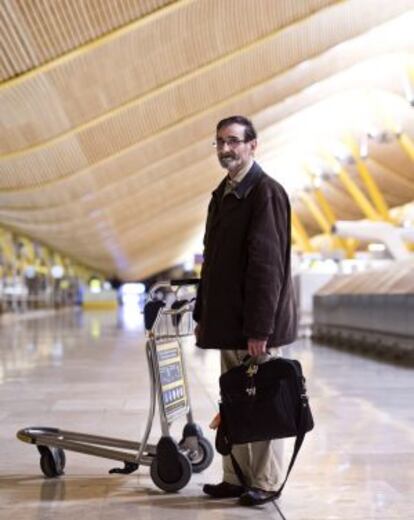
(108, 113)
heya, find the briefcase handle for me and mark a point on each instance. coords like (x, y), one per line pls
(250, 360)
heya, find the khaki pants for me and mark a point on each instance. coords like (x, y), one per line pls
(261, 462)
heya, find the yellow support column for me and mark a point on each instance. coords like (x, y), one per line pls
(373, 190)
(330, 215)
(324, 223)
(315, 212)
(368, 180)
(320, 197)
(324, 204)
(57, 259)
(300, 234)
(403, 139)
(352, 188)
(7, 246)
(406, 144)
(328, 212)
(28, 252)
(46, 256)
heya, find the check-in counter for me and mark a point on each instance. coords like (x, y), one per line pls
(103, 300)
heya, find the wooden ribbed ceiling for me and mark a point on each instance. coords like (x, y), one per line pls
(108, 110)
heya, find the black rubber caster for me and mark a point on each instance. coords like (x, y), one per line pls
(52, 461)
(175, 482)
(202, 456)
(170, 469)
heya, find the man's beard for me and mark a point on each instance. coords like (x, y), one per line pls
(227, 160)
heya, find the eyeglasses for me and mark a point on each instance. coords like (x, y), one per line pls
(231, 142)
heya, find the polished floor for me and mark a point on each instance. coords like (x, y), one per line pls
(87, 372)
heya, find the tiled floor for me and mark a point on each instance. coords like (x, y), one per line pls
(87, 372)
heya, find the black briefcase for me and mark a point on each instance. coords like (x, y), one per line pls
(263, 402)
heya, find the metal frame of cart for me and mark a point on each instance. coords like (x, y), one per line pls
(171, 463)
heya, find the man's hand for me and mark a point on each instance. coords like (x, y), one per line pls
(256, 347)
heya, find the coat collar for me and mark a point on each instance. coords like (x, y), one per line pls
(243, 189)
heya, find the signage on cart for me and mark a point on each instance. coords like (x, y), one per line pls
(171, 377)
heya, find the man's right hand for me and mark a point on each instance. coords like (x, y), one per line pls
(256, 347)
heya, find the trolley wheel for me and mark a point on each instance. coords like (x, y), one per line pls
(202, 457)
(52, 461)
(171, 483)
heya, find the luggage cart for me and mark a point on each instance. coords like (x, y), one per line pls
(171, 463)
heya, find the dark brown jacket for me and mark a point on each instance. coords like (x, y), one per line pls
(246, 289)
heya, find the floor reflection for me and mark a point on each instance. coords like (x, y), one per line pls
(130, 316)
(88, 372)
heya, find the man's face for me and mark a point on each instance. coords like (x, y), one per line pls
(232, 152)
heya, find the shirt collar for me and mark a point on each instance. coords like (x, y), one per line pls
(241, 174)
(244, 187)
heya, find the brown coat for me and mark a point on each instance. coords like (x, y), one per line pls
(246, 288)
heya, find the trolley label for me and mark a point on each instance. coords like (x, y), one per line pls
(171, 377)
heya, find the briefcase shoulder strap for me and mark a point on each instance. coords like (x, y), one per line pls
(298, 444)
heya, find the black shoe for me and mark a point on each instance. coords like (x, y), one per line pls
(223, 490)
(257, 497)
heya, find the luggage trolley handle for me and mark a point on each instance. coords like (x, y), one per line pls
(155, 310)
(184, 281)
(171, 284)
(174, 316)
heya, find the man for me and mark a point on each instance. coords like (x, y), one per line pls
(245, 303)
